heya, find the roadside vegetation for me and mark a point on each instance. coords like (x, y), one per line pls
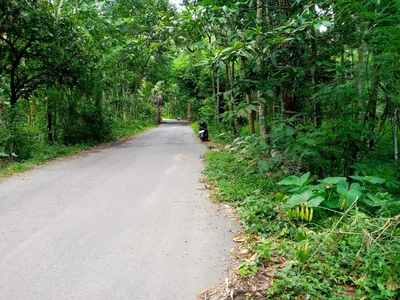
(306, 237)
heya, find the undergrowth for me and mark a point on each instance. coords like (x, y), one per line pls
(333, 238)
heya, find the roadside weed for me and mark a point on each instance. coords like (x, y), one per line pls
(333, 238)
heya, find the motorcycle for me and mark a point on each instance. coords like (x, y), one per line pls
(178, 119)
(203, 131)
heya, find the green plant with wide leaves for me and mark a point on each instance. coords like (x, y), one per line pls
(336, 193)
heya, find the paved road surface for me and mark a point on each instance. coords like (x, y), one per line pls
(129, 222)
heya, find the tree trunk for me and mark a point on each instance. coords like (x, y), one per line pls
(13, 88)
(261, 108)
(314, 79)
(372, 106)
(217, 99)
(351, 62)
(159, 103)
(361, 73)
(189, 112)
(130, 107)
(59, 7)
(248, 100)
(226, 86)
(236, 121)
(125, 106)
(394, 130)
(384, 116)
(289, 100)
(49, 121)
(342, 58)
(214, 91)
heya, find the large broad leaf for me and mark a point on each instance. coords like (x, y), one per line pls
(372, 200)
(349, 193)
(296, 189)
(370, 179)
(332, 180)
(294, 180)
(291, 180)
(376, 180)
(315, 202)
(299, 198)
(332, 204)
(304, 177)
(304, 197)
(343, 187)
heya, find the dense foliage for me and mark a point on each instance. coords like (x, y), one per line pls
(74, 72)
(320, 77)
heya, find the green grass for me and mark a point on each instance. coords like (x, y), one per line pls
(195, 127)
(235, 179)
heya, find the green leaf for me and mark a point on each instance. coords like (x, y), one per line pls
(356, 177)
(373, 198)
(317, 25)
(238, 45)
(299, 198)
(355, 187)
(296, 189)
(304, 177)
(335, 204)
(332, 180)
(350, 194)
(294, 180)
(376, 180)
(370, 179)
(326, 23)
(343, 187)
(372, 201)
(291, 180)
(314, 187)
(228, 49)
(294, 200)
(315, 202)
(223, 20)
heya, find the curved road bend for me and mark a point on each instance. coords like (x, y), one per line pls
(129, 222)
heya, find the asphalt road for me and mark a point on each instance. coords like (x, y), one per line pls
(128, 222)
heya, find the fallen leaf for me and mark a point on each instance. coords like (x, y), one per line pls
(239, 239)
(253, 257)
